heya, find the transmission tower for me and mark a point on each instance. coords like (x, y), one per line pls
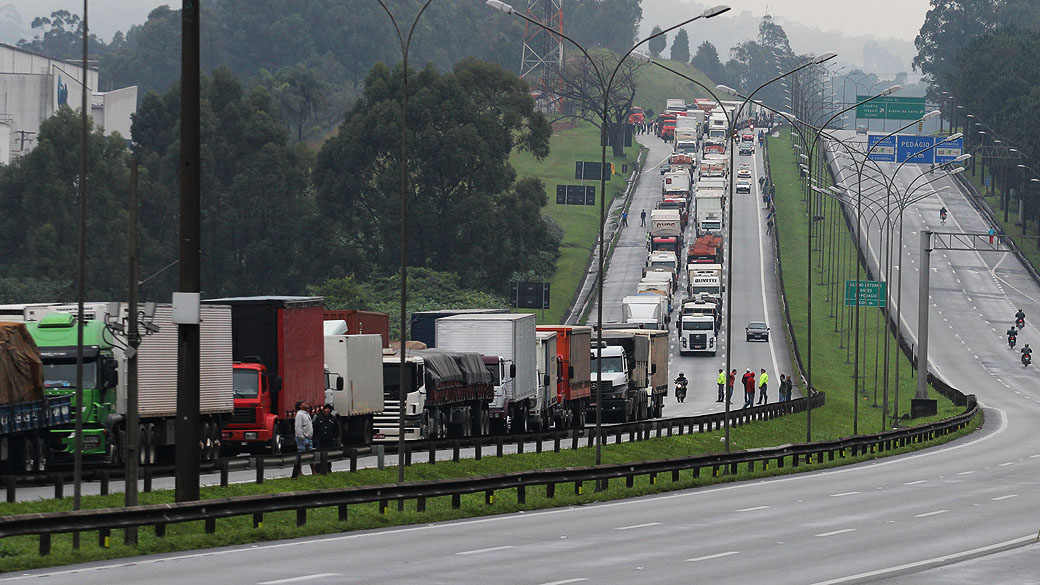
(543, 53)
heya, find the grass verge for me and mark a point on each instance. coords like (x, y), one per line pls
(580, 223)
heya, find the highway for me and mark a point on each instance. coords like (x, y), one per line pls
(754, 289)
(893, 521)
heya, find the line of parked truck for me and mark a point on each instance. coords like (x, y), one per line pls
(467, 372)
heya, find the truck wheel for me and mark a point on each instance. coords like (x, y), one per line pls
(467, 423)
(485, 421)
(40, 454)
(114, 449)
(366, 431)
(142, 445)
(24, 462)
(277, 443)
(153, 444)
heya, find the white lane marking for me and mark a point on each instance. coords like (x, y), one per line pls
(916, 482)
(936, 561)
(484, 550)
(648, 524)
(1007, 497)
(714, 556)
(762, 275)
(565, 581)
(394, 532)
(752, 509)
(1008, 463)
(298, 579)
(927, 514)
(966, 472)
(832, 533)
(843, 494)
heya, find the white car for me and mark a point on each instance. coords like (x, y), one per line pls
(744, 172)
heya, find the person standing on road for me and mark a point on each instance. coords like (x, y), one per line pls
(642, 218)
(730, 383)
(624, 218)
(304, 434)
(748, 379)
(782, 389)
(721, 380)
(763, 380)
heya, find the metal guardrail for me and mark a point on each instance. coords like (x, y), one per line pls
(45, 525)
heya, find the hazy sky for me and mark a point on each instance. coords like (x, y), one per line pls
(883, 18)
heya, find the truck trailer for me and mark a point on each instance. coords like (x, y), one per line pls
(573, 382)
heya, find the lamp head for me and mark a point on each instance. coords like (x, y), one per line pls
(930, 115)
(727, 90)
(957, 170)
(824, 58)
(963, 158)
(642, 57)
(954, 136)
(499, 5)
(714, 11)
(891, 90)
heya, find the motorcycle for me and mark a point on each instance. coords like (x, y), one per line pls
(1027, 359)
(1011, 341)
(680, 392)
(942, 216)
(1019, 322)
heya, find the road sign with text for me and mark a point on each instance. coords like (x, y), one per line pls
(881, 150)
(890, 108)
(871, 293)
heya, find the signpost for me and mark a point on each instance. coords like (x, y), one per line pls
(883, 152)
(890, 108)
(575, 195)
(914, 149)
(530, 295)
(871, 293)
(590, 171)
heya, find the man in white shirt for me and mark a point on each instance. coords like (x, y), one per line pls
(304, 433)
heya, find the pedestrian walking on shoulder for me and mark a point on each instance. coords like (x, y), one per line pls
(624, 219)
(642, 218)
(721, 380)
(730, 382)
(748, 379)
(763, 381)
(769, 226)
(782, 389)
(992, 233)
(326, 431)
(787, 389)
(304, 428)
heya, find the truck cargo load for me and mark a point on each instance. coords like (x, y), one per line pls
(21, 368)
(362, 322)
(422, 322)
(574, 382)
(354, 383)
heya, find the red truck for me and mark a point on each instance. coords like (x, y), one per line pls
(705, 250)
(665, 244)
(359, 322)
(574, 379)
(278, 347)
(666, 127)
(636, 115)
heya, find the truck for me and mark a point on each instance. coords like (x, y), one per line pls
(573, 383)
(645, 311)
(710, 207)
(54, 329)
(695, 113)
(422, 322)
(666, 126)
(26, 415)
(670, 244)
(717, 125)
(702, 304)
(634, 373)
(682, 161)
(361, 322)
(676, 183)
(664, 223)
(713, 164)
(662, 275)
(695, 270)
(678, 203)
(279, 359)
(548, 372)
(675, 105)
(697, 334)
(705, 249)
(510, 339)
(636, 115)
(709, 285)
(443, 390)
(661, 288)
(353, 381)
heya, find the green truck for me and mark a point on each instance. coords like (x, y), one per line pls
(53, 328)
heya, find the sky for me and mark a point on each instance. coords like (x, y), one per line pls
(900, 19)
(883, 18)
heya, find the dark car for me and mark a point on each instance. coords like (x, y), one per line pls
(746, 150)
(665, 168)
(756, 330)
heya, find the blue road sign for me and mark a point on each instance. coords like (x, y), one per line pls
(883, 152)
(915, 149)
(948, 151)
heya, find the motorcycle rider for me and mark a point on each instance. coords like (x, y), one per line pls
(680, 387)
(1012, 335)
(1027, 354)
(942, 214)
(1020, 318)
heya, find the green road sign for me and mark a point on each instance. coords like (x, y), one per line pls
(871, 293)
(890, 108)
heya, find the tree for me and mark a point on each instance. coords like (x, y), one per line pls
(658, 43)
(681, 46)
(707, 61)
(582, 90)
(462, 214)
(60, 36)
(753, 63)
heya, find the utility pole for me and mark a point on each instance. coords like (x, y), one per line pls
(22, 138)
(133, 341)
(186, 302)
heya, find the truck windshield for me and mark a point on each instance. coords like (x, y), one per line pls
(697, 325)
(610, 364)
(714, 290)
(61, 373)
(246, 383)
(392, 382)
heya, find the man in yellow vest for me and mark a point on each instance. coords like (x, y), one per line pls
(721, 381)
(763, 379)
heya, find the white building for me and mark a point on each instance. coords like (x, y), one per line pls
(34, 87)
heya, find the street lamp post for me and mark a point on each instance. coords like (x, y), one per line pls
(605, 84)
(405, 43)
